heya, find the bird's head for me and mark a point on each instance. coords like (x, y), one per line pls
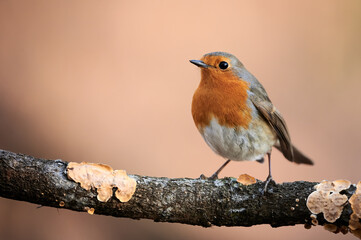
(218, 65)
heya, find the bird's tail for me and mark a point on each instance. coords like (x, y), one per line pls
(298, 157)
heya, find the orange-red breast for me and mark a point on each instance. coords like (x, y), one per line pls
(236, 118)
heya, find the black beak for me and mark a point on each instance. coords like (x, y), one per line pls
(200, 63)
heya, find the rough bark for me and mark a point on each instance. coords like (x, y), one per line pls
(222, 202)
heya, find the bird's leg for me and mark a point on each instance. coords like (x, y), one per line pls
(269, 178)
(215, 175)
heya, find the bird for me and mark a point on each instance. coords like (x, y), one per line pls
(235, 116)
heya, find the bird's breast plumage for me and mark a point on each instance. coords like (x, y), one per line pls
(225, 100)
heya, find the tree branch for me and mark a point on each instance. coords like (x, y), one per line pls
(223, 202)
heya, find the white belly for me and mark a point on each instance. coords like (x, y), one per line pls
(239, 144)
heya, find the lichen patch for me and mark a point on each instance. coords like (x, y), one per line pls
(103, 178)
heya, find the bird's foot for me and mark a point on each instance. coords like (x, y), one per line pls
(268, 180)
(213, 177)
(202, 177)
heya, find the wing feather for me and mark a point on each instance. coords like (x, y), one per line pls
(278, 124)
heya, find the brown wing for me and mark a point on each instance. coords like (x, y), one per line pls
(276, 121)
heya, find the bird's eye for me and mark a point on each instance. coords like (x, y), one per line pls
(223, 65)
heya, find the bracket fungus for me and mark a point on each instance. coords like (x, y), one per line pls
(328, 199)
(89, 210)
(314, 220)
(246, 179)
(330, 227)
(355, 201)
(103, 178)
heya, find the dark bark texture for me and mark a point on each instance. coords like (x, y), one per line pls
(222, 202)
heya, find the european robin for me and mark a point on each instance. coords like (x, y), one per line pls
(235, 116)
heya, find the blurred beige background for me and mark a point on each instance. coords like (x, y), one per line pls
(110, 82)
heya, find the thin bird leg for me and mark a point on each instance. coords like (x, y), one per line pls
(269, 178)
(215, 175)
